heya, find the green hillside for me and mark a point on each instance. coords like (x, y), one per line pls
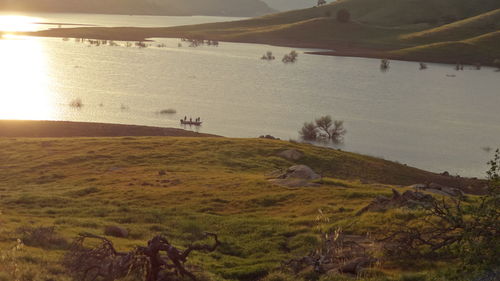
(183, 186)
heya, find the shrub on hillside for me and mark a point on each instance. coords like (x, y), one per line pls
(43, 237)
(116, 231)
(455, 228)
(343, 15)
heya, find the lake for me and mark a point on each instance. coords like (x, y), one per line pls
(437, 119)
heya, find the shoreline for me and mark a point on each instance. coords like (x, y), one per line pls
(340, 49)
(70, 129)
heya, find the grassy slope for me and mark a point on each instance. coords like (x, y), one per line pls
(212, 184)
(460, 30)
(484, 48)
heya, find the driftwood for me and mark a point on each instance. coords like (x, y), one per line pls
(158, 261)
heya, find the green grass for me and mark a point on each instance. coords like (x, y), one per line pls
(211, 184)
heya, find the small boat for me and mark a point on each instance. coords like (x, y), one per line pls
(190, 123)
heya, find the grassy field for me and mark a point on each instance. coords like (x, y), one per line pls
(210, 184)
(460, 30)
(380, 28)
(486, 46)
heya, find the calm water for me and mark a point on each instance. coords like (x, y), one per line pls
(12, 21)
(422, 118)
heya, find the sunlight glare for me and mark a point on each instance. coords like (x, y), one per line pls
(24, 84)
(17, 23)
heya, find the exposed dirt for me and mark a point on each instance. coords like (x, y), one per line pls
(56, 129)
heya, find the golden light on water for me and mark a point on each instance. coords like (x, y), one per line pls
(24, 82)
(17, 23)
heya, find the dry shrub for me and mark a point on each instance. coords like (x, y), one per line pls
(43, 237)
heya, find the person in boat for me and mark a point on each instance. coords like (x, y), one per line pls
(190, 120)
(185, 118)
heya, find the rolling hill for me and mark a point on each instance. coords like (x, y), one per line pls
(400, 29)
(460, 30)
(181, 187)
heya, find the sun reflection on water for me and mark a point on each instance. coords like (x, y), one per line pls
(24, 82)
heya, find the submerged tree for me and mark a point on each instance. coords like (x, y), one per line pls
(384, 65)
(324, 128)
(76, 103)
(332, 129)
(268, 56)
(309, 131)
(290, 58)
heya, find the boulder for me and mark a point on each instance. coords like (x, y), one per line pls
(439, 189)
(291, 154)
(115, 231)
(300, 172)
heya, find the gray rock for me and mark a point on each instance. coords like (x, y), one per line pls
(418, 186)
(291, 154)
(300, 172)
(410, 199)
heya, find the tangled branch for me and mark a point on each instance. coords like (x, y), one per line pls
(144, 263)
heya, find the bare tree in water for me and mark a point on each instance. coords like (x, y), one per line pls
(309, 131)
(324, 128)
(332, 129)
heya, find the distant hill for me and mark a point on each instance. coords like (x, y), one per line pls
(395, 12)
(243, 8)
(425, 30)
